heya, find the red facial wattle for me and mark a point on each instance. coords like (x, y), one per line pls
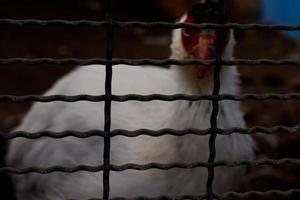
(190, 36)
(200, 45)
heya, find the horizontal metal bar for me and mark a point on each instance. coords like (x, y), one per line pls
(146, 132)
(260, 129)
(52, 61)
(149, 166)
(135, 62)
(49, 170)
(293, 193)
(205, 164)
(145, 25)
(183, 197)
(54, 22)
(147, 98)
(50, 134)
(206, 26)
(52, 98)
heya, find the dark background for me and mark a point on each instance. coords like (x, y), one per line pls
(59, 42)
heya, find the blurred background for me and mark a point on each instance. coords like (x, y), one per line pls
(59, 42)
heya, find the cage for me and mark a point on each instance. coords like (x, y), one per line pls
(108, 98)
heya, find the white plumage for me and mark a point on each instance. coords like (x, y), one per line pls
(83, 116)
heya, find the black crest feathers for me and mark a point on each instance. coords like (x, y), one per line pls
(208, 11)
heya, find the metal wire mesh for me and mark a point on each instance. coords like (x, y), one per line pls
(108, 98)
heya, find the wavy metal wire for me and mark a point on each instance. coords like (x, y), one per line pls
(146, 132)
(290, 194)
(108, 98)
(215, 106)
(132, 166)
(138, 24)
(146, 98)
(155, 62)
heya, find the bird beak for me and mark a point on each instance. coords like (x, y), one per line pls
(207, 47)
(206, 50)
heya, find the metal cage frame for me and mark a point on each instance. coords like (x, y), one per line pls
(108, 98)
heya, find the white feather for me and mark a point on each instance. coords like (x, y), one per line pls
(83, 116)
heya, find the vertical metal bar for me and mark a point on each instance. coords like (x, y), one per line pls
(215, 107)
(107, 106)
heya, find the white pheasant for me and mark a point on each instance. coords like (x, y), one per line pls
(156, 115)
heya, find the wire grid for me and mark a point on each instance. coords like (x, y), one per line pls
(108, 97)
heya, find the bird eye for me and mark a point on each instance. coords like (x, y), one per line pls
(187, 32)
